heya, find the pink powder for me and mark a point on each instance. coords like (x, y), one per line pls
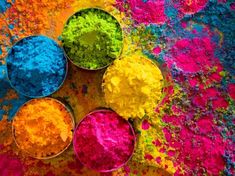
(148, 12)
(197, 151)
(190, 6)
(10, 166)
(145, 125)
(203, 97)
(157, 50)
(148, 157)
(192, 55)
(232, 6)
(104, 141)
(231, 91)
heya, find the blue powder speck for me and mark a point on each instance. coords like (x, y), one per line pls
(36, 66)
(0, 51)
(11, 26)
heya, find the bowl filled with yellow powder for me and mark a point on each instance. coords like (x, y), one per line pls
(133, 86)
(92, 38)
(43, 128)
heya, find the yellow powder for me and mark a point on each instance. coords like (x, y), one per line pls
(133, 86)
(43, 127)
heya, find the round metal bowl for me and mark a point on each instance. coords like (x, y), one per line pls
(167, 79)
(77, 14)
(57, 154)
(74, 142)
(39, 96)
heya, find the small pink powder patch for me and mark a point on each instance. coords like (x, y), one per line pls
(157, 143)
(190, 6)
(219, 102)
(104, 141)
(231, 91)
(148, 157)
(157, 50)
(158, 160)
(145, 125)
(232, 6)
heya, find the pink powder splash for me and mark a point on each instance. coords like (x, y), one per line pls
(157, 50)
(231, 91)
(232, 6)
(104, 141)
(150, 12)
(145, 125)
(192, 55)
(10, 166)
(189, 6)
(208, 96)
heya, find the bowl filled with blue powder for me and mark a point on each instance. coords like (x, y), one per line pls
(36, 66)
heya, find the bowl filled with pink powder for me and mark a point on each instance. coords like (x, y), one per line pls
(104, 141)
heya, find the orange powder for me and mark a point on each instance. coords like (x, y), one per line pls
(43, 128)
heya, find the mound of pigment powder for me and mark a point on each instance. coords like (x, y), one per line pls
(133, 86)
(92, 38)
(43, 127)
(36, 66)
(104, 141)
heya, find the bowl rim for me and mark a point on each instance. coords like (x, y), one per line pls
(64, 58)
(122, 33)
(65, 148)
(132, 131)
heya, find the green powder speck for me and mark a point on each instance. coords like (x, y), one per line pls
(92, 38)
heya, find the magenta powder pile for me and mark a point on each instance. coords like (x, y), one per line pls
(104, 141)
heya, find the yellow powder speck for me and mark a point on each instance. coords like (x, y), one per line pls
(133, 86)
(43, 127)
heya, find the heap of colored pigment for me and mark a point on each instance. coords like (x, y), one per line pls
(133, 86)
(43, 127)
(92, 38)
(36, 66)
(104, 141)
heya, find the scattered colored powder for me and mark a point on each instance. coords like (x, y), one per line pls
(147, 12)
(92, 38)
(192, 55)
(190, 6)
(133, 86)
(43, 127)
(104, 141)
(36, 66)
(150, 149)
(5, 4)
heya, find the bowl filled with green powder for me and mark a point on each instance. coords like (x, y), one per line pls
(92, 39)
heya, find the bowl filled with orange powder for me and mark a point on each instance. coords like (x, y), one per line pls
(43, 128)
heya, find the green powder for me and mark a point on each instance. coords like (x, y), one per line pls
(92, 38)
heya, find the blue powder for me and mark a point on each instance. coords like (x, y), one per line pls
(4, 5)
(36, 66)
(11, 26)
